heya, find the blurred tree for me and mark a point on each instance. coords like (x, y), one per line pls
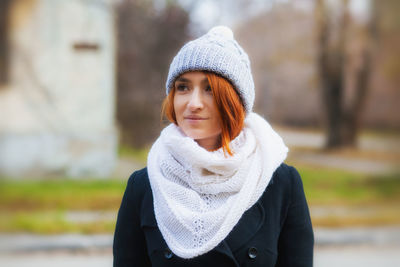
(344, 89)
(4, 43)
(148, 38)
(281, 49)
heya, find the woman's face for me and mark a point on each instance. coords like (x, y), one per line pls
(195, 109)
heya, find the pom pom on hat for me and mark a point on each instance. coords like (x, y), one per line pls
(217, 51)
(222, 31)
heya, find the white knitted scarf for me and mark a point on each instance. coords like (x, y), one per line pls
(199, 196)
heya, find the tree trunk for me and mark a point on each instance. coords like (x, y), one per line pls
(342, 118)
(4, 42)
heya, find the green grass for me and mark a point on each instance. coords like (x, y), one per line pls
(60, 194)
(39, 206)
(50, 222)
(352, 191)
(335, 187)
(390, 217)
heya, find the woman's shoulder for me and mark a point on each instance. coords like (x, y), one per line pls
(139, 176)
(287, 177)
(285, 170)
(138, 183)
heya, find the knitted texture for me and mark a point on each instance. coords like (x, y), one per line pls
(216, 51)
(199, 196)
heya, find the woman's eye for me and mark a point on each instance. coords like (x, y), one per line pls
(208, 88)
(181, 87)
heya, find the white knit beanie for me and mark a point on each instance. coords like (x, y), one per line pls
(217, 51)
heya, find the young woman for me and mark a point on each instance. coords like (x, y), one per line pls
(215, 191)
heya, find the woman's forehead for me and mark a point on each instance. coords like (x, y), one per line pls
(193, 76)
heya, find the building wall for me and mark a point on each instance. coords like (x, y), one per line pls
(58, 108)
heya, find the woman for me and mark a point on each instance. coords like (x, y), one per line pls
(215, 191)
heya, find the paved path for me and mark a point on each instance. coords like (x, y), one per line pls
(344, 163)
(317, 140)
(389, 145)
(59, 259)
(22, 243)
(374, 246)
(354, 236)
(348, 256)
(369, 256)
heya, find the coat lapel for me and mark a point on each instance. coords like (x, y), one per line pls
(247, 227)
(223, 248)
(147, 216)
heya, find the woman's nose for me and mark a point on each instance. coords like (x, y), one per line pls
(195, 101)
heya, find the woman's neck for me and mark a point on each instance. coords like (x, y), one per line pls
(210, 143)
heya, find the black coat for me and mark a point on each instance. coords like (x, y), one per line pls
(275, 231)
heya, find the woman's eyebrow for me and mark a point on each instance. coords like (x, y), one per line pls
(205, 80)
(181, 79)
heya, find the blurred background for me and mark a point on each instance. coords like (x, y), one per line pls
(81, 86)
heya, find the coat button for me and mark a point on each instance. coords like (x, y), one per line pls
(167, 253)
(252, 252)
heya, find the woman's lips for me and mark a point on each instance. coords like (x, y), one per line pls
(194, 119)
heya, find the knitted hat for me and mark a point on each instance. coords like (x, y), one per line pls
(217, 51)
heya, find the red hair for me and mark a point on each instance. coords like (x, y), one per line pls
(229, 106)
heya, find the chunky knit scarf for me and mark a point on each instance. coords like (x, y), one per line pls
(199, 196)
